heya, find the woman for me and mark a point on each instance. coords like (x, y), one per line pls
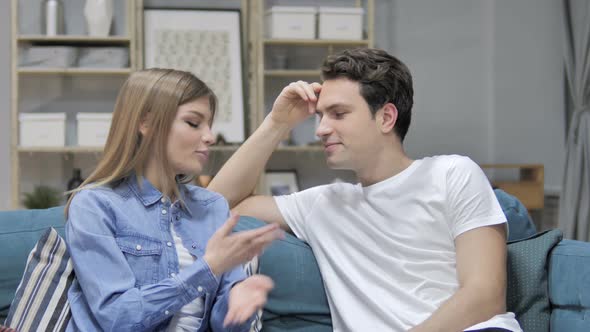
(149, 252)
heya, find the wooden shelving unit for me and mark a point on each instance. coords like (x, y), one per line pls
(19, 73)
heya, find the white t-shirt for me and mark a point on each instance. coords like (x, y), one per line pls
(386, 252)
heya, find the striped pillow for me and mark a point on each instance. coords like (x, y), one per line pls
(40, 302)
(253, 267)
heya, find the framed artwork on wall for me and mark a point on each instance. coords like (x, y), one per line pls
(206, 43)
(280, 182)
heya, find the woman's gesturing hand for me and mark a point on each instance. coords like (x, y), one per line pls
(246, 298)
(226, 250)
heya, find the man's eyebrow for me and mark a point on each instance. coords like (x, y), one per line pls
(334, 106)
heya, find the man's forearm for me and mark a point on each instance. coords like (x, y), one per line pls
(237, 179)
(465, 308)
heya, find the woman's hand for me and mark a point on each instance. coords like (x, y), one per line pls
(296, 103)
(225, 249)
(246, 297)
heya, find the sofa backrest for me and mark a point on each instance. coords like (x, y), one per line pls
(19, 232)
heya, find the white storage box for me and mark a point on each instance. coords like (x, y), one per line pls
(49, 56)
(341, 23)
(104, 57)
(291, 22)
(42, 129)
(93, 128)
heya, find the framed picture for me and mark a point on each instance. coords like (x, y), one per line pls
(280, 183)
(206, 43)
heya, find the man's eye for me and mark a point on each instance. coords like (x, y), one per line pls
(339, 115)
(194, 125)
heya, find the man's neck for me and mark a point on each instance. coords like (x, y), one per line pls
(389, 162)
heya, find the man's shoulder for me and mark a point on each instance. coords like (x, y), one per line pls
(449, 162)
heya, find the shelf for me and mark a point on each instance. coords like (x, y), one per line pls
(98, 149)
(316, 42)
(528, 188)
(75, 71)
(292, 72)
(63, 149)
(73, 39)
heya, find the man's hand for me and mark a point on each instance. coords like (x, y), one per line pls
(246, 298)
(296, 103)
(226, 250)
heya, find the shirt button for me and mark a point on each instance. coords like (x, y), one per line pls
(173, 274)
(200, 289)
(166, 312)
(138, 247)
(194, 246)
(169, 244)
(164, 212)
(163, 200)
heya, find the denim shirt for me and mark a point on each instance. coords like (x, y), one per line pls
(125, 261)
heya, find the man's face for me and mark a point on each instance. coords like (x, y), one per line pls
(348, 131)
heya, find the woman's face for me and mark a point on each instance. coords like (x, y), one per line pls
(190, 137)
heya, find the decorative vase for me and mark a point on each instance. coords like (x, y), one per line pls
(99, 15)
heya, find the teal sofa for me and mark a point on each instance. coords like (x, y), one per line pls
(298, 302)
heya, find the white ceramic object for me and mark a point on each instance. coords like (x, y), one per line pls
(99, 16)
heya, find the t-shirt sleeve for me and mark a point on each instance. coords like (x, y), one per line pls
(471, 200)
(296, 207)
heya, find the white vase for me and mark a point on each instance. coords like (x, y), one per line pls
(99, 15)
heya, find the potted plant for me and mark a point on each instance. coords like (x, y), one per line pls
(42, 197)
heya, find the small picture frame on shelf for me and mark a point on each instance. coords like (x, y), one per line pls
(279, 183)
(208, 44)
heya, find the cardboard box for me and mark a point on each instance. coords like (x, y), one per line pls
(42, 129)
(291, 22)
(93, 128)
(341, 23)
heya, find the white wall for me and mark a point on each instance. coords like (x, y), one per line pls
(528, 86)
(488, 80)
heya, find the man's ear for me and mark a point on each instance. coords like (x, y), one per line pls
(387, 117)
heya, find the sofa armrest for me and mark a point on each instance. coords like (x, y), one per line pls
(569, 286)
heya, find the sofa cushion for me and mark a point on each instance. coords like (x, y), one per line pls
(569, 286)
(19, 231)
(528, 292)
(41, 299)
(520, 224)
(298, 301)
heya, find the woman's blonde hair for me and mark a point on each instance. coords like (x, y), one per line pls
(152, 97)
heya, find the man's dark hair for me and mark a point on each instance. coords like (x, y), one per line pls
(382, 79)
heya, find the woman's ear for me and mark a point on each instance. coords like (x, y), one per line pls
(388, 117)
(143, 126)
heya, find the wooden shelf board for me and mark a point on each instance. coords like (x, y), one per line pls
(316, 42)
(68, 39)
(75, 71)
(291, 72)
(97, 149)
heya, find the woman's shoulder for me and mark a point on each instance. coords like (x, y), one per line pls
(203, 195)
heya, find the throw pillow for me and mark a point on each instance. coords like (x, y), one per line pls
(528, 292)
(252, 268)
(41, 302)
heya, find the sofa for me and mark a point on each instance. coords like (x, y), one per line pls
(548, 278)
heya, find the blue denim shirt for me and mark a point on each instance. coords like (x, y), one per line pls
(126, 263)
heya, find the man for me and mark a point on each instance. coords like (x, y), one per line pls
(418, 244)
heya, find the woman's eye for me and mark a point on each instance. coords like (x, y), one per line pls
(193, 124)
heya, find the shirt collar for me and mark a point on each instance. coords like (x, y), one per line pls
(149, 195)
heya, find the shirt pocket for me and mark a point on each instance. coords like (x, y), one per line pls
(144, 254)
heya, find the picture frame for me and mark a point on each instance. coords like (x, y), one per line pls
(277, 183)
(208, 44)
